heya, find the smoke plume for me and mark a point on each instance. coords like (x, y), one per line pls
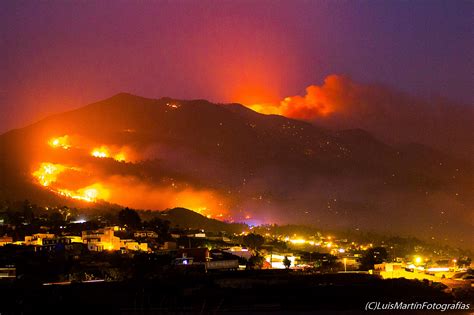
(395, 117)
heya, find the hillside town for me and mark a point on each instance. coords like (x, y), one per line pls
(57, 245)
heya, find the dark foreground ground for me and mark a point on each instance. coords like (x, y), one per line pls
(246, 292)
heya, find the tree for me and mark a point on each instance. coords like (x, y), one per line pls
(28, 214)
(13, 217)
(376, 255)
(253, 241)
(255, 262)
(463, 261)
(129, 218)
(65, 212)
(287, 262)
(161, 227)
(325, 262)
(278, 245)
(56, 218)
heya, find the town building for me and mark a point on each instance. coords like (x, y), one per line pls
(8, 272)
(133, 245)
(145, 234)
(101, 239)
(37, 239)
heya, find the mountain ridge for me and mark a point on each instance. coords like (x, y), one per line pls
(227, 158)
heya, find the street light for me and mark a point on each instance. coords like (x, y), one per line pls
(345, 264)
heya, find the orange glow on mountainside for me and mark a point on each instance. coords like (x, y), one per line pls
(48, 173)
(60, 142)
(89, 194)
(76, 177)
(106, 152)
(101, 152)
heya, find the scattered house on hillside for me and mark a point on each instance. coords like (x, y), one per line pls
(201, 258)
(168, 245)
(8, 272)
(239, 251)
(101, 239)
(127, 244)
(198, 254)
(350, 262)
(37, 239)
(60, 243)
(276, 260)
(145, 234)
(388, 267)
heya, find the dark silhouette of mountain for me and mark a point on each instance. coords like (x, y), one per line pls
(227, 158)
(185, 218)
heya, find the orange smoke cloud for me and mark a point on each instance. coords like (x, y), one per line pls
(130, 190)
(319, 101)
(340, 103)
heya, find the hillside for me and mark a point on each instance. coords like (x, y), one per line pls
(184, 218)
(231, 163)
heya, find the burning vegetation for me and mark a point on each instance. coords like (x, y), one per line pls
(93, 181)
(119, 154)
(108, 152)
(89, 194)
(48, 176)
(48, 173)
(60, 142)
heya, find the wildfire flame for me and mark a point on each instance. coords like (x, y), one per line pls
(60, 142)
(48, 173)
(64, 180)
(120, 157)
(89, 194)
(101, 152)
(105, 152)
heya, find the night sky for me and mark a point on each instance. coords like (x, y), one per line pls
(58, 55)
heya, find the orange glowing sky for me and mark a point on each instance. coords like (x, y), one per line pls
(57, 56)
